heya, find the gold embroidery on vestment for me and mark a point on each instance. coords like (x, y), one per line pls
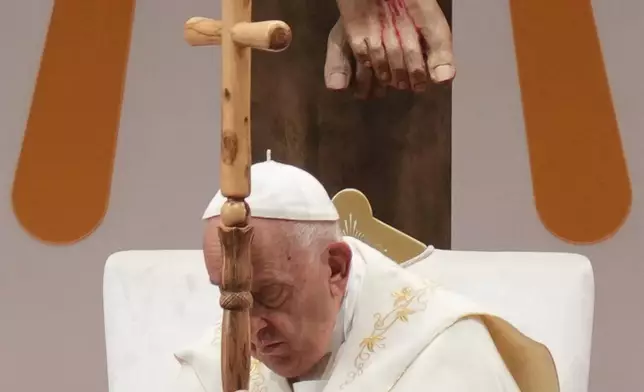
(405, 303)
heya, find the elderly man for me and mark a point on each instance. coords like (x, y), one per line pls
(332, 313)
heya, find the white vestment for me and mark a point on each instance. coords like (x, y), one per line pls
(398, 332)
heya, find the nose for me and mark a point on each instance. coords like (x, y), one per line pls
(257, 323)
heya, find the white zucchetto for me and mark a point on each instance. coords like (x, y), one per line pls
(280, 191)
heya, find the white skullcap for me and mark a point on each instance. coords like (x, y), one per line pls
(280, 191)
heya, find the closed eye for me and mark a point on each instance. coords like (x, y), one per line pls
(272, 296)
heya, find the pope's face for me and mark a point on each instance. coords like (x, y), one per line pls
(296, 292)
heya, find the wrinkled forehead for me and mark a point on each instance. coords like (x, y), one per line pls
(272, 255)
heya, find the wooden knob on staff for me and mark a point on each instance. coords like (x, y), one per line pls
(270, 35)
(200, 31)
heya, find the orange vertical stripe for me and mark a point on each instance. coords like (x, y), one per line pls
(62, 182)
(581, 185)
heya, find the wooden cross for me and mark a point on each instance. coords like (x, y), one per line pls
(236, 35)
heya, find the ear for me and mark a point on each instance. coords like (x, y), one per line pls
(339, 260)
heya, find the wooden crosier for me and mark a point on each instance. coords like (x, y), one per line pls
(237, 35)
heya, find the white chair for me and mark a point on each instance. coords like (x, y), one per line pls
(158, 301)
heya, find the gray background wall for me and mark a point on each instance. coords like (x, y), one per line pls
(492, 203)
(51, 323)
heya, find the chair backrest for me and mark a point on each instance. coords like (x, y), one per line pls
(159, 301)
(357, 220)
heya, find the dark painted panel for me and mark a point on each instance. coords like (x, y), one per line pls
(396, 150)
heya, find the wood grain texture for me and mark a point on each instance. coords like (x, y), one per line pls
(580, 179)
(235, 103)
(235, 161)
(236, 301)
(63, 177)
(396, 150)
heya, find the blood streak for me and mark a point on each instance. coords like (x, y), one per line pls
(383, 19)
(395, 9)
(395, 6)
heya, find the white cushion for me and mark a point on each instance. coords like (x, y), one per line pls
(157, 302)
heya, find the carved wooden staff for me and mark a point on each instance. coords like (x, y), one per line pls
(237, 35)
